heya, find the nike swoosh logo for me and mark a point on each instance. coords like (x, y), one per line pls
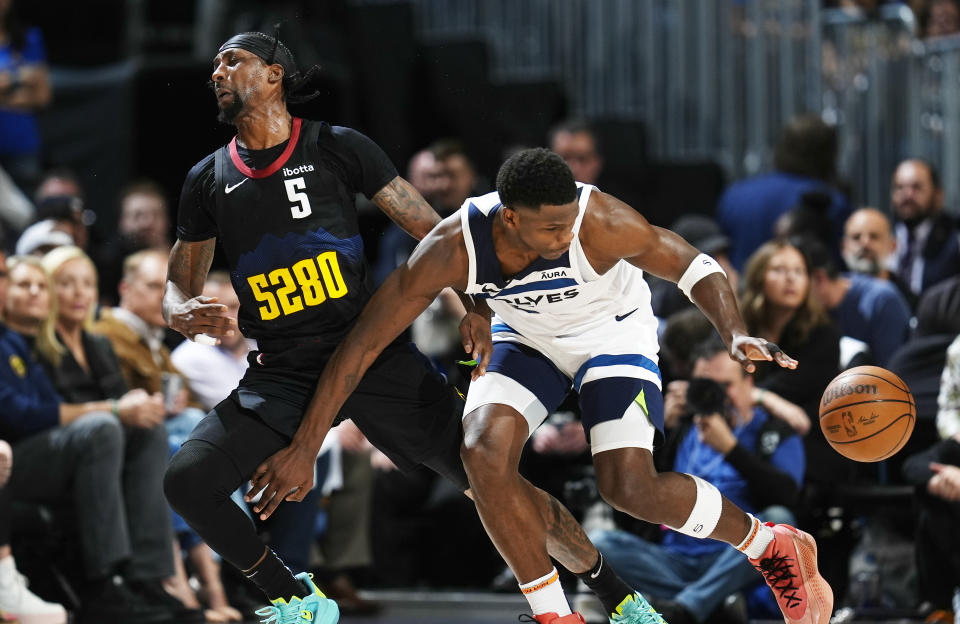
(228, 189)
(620, 317)
(595, 575)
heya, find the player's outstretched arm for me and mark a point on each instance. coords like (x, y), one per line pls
(406, 207)
(613, 231)
(184, 308)
(438, 261)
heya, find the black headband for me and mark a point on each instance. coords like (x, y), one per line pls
(299, 88)
(268, 48)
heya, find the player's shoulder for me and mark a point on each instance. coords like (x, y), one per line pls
(606, 210)
(343, 134)
(204, 167)
(482, 203)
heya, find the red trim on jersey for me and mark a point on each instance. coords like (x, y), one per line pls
(275, 165)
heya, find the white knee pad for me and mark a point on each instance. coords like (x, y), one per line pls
(706, 510)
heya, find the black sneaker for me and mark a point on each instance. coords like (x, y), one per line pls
(153, 593)
(112, 601)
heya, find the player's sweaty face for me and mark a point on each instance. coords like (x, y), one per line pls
(236, 76)
(548, 231)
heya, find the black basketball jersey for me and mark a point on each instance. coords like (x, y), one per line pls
(289, 230)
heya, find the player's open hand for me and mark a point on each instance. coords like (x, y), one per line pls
(477, 341)
(202, 315)
(285, 475)
(744, 349)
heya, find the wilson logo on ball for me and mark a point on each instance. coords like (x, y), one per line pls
(842, 390)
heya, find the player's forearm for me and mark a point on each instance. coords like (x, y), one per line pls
(716, 300)
(186, 272)
(340, 378)
(387, 314)
(172, 297)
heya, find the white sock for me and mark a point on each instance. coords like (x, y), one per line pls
(545, 595)
(757, 539)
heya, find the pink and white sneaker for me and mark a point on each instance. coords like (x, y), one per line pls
(789, 566)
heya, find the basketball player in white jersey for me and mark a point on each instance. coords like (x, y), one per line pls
(561, 266)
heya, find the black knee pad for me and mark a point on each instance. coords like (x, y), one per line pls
(200, 476)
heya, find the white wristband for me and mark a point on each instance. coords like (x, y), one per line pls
(204, 339)
(702, 266)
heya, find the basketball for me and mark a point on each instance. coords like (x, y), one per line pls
(867, 413)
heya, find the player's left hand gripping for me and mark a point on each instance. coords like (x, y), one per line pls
(744, 349)
(477, 341)
(285, 475)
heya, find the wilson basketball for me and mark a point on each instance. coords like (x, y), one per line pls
(867, 413)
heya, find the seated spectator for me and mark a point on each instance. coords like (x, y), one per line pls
(685, 331)
(144, 223)
(948, 402)
(60, 197)
(778, 305)
(936, 474)
(24, 90)
(27, 302)
(83, 366)
(863, 307)
(136, 327)
(869, 246)
(17, 603)
(41, 237)
(576, 143)
(92, 456)
(135, 330)
(755, 460)
(457, 179)
(928, 243)
(804, 160)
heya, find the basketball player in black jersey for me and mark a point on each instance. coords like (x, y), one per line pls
(280, 199)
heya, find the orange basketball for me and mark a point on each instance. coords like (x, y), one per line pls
(867, 413)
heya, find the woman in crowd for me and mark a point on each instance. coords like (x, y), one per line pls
(84, 367)
(777, 305)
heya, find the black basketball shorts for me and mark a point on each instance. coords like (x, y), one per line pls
(402, 405)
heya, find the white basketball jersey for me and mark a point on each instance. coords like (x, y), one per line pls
(560, 298)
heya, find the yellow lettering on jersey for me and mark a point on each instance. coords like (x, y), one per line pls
(307, 283)
(283, 276)
(257, 284)
(330, 268)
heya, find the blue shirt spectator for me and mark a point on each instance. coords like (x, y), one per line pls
(748, 210)
(874, 311)
(30, 402)
(18, 128)
(866, 308)
(731, 473)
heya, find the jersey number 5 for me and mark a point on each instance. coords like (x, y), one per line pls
(295, 188)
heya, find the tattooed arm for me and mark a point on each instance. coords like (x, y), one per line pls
(184, 308)
(406, 207)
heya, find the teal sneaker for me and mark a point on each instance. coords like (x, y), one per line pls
(315, 608)
(636, 610)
